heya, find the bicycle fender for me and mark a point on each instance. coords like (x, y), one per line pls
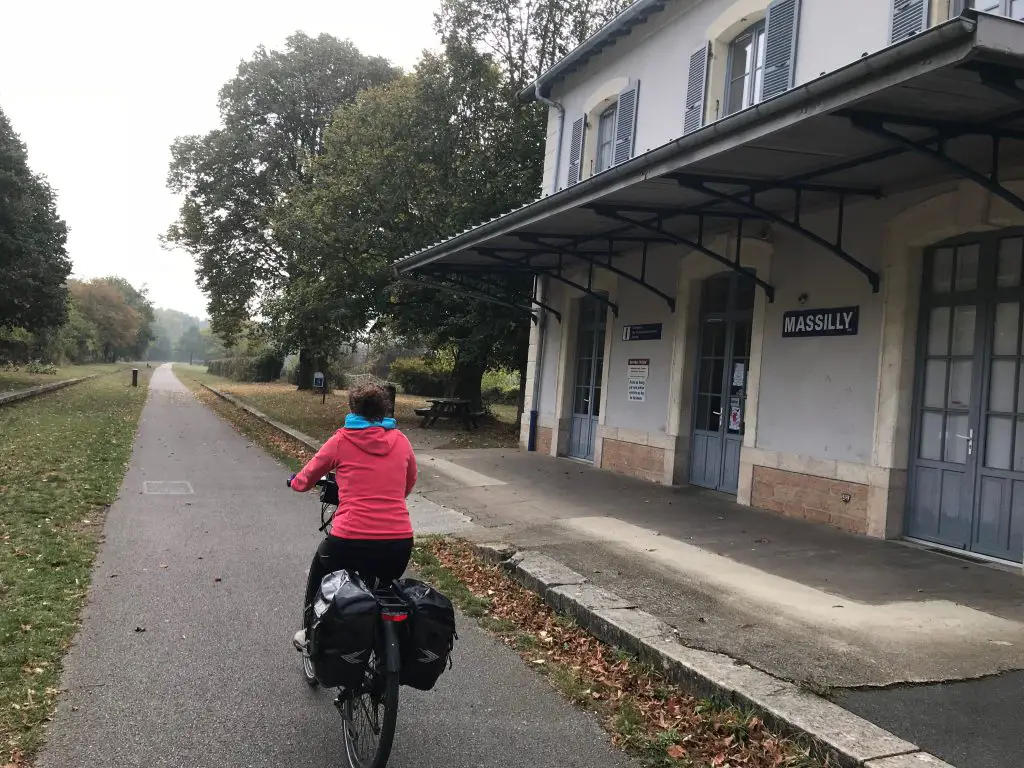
(392, 648)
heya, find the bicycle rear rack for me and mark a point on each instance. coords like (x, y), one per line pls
(392, 606)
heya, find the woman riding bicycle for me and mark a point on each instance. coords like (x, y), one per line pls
(375, 470)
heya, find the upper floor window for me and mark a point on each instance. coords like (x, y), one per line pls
(606, 138)
(1012, 8)
(746, 69)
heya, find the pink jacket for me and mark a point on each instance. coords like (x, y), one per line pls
(376, 470)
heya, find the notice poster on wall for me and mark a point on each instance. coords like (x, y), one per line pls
(638, 367)
(735, 414)
(637, 389)
(739, 374)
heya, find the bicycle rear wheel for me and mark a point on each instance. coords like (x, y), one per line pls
(371, 713)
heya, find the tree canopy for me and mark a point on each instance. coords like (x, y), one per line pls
(111, 319)
(296, 217)
(274, 114)
(33, 260)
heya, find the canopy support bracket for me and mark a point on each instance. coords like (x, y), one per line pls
(568, 250)
(492, 253)
(655, 226)
(475, 294)
(876, 125)
(748, 202)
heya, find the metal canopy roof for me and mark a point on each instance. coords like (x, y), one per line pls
(944, 104)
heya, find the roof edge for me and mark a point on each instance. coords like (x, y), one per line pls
(927, 43)
(626, 19)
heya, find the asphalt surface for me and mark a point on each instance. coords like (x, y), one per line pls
(972, 724)
(184, 657)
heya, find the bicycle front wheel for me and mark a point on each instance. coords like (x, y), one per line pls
(371, 713)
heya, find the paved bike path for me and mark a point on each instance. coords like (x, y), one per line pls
(214, 578)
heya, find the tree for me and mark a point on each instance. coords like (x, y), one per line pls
(192, 345)
(138, 300)
(428, 156)
(274, 114)
(33, 260)
(77, 340)
(524, 37)
(116, 324)
(213, 347)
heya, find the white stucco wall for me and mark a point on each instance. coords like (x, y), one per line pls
(832, 33)
(552, 346)
(817, 395)
(637, 305)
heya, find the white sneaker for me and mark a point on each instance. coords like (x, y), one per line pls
(299, 640)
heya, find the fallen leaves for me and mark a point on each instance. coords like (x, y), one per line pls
(644, 711)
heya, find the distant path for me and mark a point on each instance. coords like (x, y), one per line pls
(214, 578)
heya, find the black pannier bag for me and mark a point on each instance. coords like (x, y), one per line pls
(344, 623)
(430, 636)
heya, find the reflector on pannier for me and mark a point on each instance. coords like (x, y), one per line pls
(345, 615)
(430, 636)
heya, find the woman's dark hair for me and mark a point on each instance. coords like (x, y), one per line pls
(369, 401)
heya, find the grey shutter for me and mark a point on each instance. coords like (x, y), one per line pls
(576, 150)
(625, 124)
(696, 88)
(780, 35)
(909, 17)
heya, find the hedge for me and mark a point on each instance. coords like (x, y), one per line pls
(264, 367)
(418, 377)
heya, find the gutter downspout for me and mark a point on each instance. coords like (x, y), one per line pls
(539, 93)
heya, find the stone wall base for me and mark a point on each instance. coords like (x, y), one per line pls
(818, 499)
(544, 435)
(646, 462)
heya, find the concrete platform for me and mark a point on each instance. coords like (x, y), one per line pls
(802, 602)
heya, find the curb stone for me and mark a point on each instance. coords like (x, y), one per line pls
(42, 389)
(306, 440)
(916, 760)
(846, 738)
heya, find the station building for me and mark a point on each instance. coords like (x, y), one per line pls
(779, 253)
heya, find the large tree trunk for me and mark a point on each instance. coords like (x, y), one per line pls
(467, 381)
(306, 369)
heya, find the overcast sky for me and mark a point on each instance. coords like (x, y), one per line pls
(99, 89)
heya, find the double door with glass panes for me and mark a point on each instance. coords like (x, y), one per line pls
(586, 400)
(967, 468)
(723, 356)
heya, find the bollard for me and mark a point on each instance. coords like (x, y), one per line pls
(135, 377)
(392, 391)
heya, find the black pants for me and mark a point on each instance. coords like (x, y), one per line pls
(385, 559)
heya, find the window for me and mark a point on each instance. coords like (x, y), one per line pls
(606, 138)
(1012, 8)
(746, 70)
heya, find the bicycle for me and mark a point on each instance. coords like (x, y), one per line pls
(370, 710)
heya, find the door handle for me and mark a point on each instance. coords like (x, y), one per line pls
(717, 413)
(969, 437)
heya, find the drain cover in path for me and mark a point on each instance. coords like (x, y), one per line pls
(167, 488)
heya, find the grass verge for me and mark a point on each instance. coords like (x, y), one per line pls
(14, 379)
(289, 452)
(305, 412)
(645, 713)
(61, 462)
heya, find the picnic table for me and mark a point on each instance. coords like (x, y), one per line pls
(449, 408)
